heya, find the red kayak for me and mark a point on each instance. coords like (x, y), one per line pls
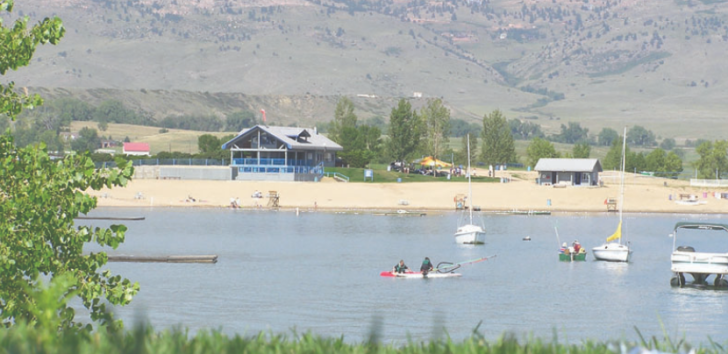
(410, 274)
(443, 270)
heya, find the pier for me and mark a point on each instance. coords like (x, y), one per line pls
(165, 259)
(133, 218)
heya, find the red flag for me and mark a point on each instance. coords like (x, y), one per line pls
(263, 111)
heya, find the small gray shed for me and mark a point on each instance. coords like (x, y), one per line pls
(574, 172)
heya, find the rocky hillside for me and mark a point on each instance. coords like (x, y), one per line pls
(656, 63)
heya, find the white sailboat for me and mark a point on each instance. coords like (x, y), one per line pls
(613, 249)
(470, 233)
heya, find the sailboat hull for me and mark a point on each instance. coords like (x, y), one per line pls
(470, 235)
(612, 252)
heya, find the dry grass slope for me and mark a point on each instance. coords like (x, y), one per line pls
(654, 63)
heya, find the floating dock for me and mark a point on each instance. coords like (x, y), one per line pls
(165, 259)
(409, 213)
(133, 218)
(524, 212)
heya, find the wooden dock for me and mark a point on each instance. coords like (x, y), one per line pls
(133, 218)
(402, 212)
(165, 259)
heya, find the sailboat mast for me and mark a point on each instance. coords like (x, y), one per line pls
(621, 182)
(470, 187)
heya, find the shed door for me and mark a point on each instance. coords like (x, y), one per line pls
(577, 178)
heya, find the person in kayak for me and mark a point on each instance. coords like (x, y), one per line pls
(400, 267)
(426, 266)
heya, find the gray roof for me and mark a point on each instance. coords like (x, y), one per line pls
(568, 165)
(294, 138)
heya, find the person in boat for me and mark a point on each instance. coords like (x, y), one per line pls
(426, 266)
(577, 246)
(400, 267)
(564, 248)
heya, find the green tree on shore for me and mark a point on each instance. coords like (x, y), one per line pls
(39, 200)
(663, 163)
(498, 146)
(713, 160)
(613, 160)
(344, 117)
(540, 149)
(436, 120)
(361, 145)
(461, 156)
(404, 131)
(88, 140)
(581, 151)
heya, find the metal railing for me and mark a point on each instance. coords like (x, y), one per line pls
(694, 182)
(271, 162)
(336, 175)
(317, 171)
(300, 166)
(168, 162)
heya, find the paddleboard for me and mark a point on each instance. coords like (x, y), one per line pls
(418, 275)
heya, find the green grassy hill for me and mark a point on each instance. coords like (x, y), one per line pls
(655, 63)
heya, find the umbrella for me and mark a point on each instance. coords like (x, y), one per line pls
(431, 161)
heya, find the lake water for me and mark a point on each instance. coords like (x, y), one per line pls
(319, 272)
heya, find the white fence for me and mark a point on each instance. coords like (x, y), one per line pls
(708, 182)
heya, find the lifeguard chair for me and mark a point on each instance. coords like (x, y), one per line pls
(611, 204)
(273, 199)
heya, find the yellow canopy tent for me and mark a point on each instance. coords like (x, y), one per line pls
(433, 162)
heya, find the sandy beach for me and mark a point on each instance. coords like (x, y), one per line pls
(642, 195)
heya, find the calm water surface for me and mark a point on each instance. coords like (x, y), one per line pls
(319, 272)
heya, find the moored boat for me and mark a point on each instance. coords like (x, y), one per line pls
(571, 257)
(613, 249)
(570, 254)
(573, 253)
(700, 265)
(470, 234)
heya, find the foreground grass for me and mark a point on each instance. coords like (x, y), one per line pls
(23, 339)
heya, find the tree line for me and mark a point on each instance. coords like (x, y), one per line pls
(412, 133)
(409, 134)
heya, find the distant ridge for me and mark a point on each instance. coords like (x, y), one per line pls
(603, 63)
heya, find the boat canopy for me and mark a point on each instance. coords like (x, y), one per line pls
(701, 226)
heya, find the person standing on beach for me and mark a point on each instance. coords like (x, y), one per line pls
(426, 266)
